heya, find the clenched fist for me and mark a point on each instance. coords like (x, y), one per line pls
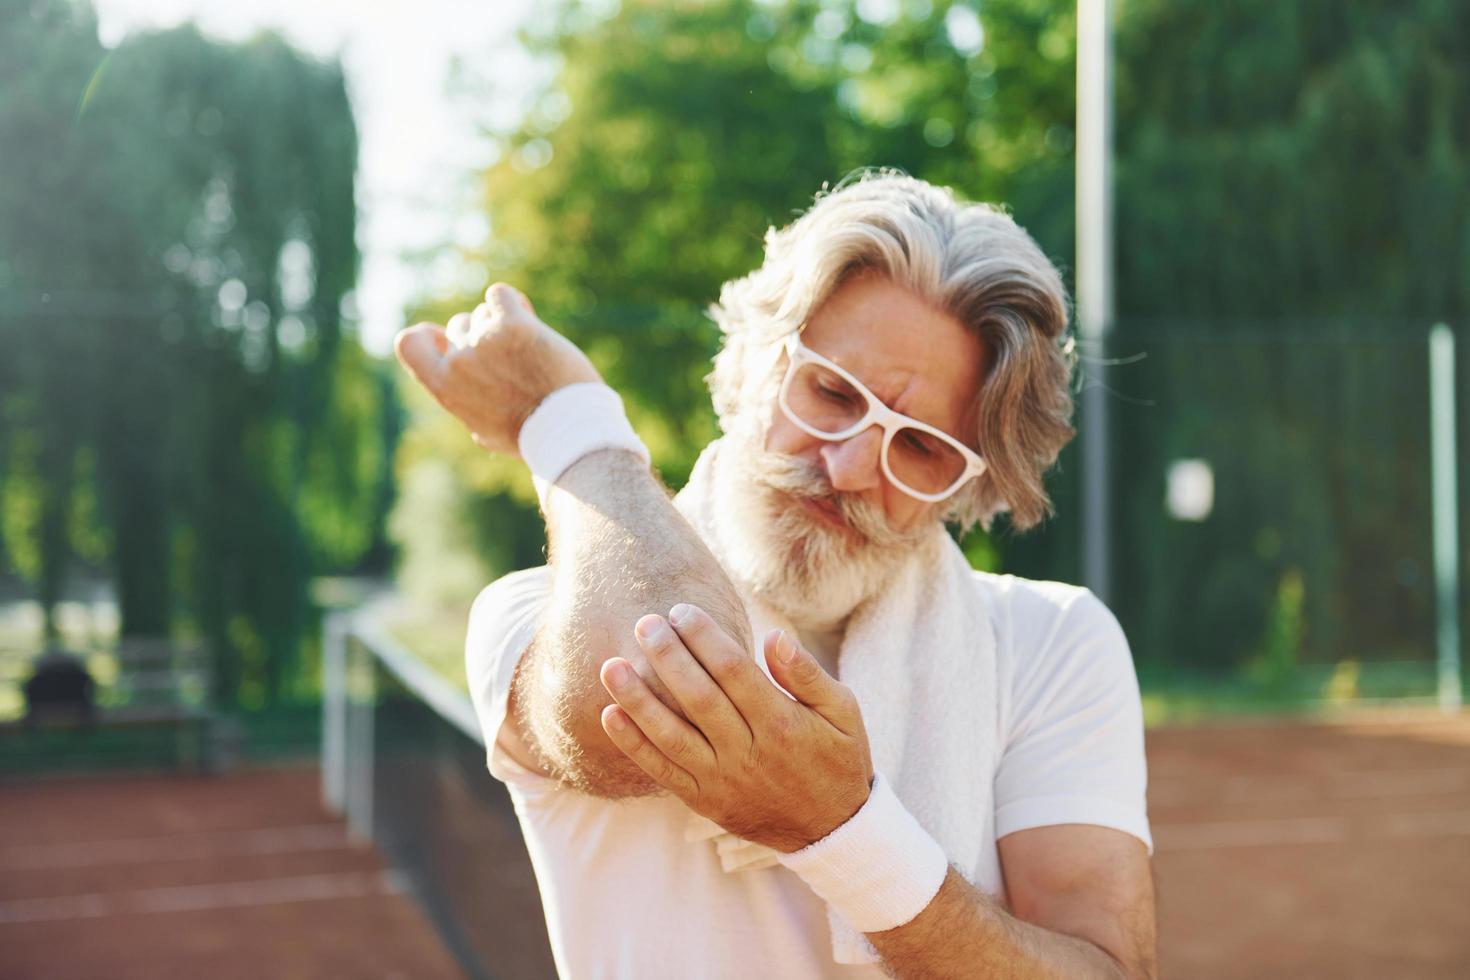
(490, 369)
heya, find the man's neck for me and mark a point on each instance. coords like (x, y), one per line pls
(824, 642)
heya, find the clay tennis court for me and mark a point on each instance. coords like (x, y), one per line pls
(183, 876)
(1314, 850)
(1283, 850)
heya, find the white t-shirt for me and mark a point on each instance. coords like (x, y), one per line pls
(627, 897)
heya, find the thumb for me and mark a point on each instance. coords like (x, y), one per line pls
(799, 672)
(422, 349)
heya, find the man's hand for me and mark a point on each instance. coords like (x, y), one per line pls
(490, 369)
(780, 772)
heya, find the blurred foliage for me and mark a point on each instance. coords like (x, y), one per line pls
(1291, 216)
(646, 174)
(1298, 159)
(1293, 186)
(182, 403)
(1275, 666)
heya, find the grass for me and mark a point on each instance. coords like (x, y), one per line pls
(1183, 696)
(1171, 695)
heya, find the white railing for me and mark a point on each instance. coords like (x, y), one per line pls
(352, 646)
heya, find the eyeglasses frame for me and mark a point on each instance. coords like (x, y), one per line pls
(879, 414)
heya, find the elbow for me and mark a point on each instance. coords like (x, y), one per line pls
(569, 686)
(599, 768)
(566, 719)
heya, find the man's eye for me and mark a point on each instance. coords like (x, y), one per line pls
(835, 394)
(918, 443)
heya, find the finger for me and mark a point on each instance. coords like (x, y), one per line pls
(727, 663)
(809, 682)
(509, 299)
(631, 741)
(458, 329)
(684, 744)
(703, 701)
(422, 349)
(482, 320)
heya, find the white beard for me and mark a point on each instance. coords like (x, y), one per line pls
(806, 570)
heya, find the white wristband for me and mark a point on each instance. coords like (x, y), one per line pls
(878, 870)
(571, 422)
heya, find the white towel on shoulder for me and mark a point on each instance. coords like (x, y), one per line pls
(920, 658)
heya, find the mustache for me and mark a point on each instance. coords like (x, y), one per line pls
(801, 479)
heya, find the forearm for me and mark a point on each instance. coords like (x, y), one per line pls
(618, 550)
(963, 933)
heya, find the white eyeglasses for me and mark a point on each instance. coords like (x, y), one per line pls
(822, 399)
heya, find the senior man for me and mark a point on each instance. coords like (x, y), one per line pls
(921, 770)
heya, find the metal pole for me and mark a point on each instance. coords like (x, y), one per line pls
(1446, 502)
(334, 712)
(360, 761)
(1094, 278)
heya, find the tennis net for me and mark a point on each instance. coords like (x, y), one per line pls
(404, 760)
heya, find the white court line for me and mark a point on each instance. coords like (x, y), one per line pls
(1400, 782)
(1247, 790)
(199, 898)
(178, 847)
(1451, 823)
(1343, 785)
(1250, 833)
(1309, 830)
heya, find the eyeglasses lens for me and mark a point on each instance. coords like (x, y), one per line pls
(828, 403)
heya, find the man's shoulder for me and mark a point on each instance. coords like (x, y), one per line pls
(1011, 597)
(522, 585)
(504, 605)
(1042, 624)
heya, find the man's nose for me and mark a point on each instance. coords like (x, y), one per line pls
(853, 464)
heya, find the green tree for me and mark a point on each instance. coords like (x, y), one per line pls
(174, 257)
(1293, 186)
(47, 376)
(1284, 171)
(673, 135)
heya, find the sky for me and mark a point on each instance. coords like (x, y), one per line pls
(419, 146)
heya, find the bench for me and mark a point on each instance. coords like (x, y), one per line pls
(147, 684)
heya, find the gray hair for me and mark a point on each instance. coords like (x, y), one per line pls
(970, 260)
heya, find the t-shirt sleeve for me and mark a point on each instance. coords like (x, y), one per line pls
(1074, 739)
(502, 623)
